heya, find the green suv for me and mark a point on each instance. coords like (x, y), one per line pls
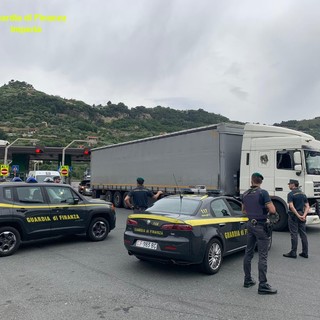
(31, 211)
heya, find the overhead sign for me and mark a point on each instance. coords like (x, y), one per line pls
(4, 170)
(64, 171)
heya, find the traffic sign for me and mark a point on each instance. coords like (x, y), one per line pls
(15, 168)
(4, 170)
(64, 170)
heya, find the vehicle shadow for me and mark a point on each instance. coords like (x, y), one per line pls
(52, 241)
(172, 270)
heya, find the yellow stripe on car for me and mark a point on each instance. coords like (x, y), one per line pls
(15, 206)
(154, 217)
(202, 222)
(192, 222)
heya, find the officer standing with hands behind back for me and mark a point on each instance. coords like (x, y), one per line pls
(256, 204)
(298, 210)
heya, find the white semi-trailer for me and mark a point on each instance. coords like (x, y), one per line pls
(218, 158)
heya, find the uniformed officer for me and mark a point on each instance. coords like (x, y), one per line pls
(298, 210)
(257, 204)
(139, 197)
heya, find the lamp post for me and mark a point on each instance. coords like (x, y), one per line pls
(9, 145)
(66, 147)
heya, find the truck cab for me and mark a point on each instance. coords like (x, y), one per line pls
(281, 154)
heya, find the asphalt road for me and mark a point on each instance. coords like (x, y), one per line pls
(70, 278)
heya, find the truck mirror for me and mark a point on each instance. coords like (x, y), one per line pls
(297, 158)
(298, 167)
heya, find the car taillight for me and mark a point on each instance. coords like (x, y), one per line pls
(180, 227)
(131, 222)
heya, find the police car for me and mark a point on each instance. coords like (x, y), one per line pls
(188, 229)
(40, 210)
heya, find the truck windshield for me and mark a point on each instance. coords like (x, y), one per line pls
(312, 161)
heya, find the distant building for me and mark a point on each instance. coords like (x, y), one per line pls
(92, 140)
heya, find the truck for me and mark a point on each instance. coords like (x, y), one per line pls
(217, 158)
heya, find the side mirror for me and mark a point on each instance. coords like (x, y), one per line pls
(76, 200)
(297, 158)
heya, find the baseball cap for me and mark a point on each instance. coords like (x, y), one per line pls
(140, 180)
(292, 181)
(258, 175)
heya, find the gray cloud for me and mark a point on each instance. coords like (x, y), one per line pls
(250, 61)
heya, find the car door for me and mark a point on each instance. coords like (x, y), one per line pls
(31, 209)
(228, 226)
(69, 212)
(236, 211)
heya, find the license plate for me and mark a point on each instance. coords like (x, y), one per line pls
(147, 244)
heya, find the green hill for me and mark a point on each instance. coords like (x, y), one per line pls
(27, 112)
(56, 121)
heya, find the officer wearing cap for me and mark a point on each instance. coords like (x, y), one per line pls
(256, 204)
(139, 197)
(298, 210)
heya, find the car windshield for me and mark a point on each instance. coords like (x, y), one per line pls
(40, 178)
(312, 161)
(175, 205)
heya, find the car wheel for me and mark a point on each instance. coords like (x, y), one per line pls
(98, 229)
(213, 257)
(9, 241)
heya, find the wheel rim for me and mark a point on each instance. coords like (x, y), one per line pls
(8, 241)
(214, 256)
(99, 229)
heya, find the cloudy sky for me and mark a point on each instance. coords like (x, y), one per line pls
(249, 60)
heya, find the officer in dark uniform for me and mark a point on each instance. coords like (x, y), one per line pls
(256, 204)
(139, 197)
(298, 210)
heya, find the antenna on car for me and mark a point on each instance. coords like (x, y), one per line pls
(180, 194)
(179, 190)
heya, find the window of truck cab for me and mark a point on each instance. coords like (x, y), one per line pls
(285, 159)
(312, 161)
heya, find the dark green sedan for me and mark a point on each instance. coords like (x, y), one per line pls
(188, 229)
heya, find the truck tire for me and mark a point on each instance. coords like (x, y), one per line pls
(98, 229)
(9, 241)
(109, 196)
(282, 224)
(117, 199)
(123, 202)
(213, 257)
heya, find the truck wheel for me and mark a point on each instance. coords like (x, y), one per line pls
(213, 257)
(117, 199)
(98, 229)
(109, 196)
(282, 224)
(123, 202)
(9, 241)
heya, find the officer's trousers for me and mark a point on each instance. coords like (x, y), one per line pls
(256, 236)
(297, 226)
